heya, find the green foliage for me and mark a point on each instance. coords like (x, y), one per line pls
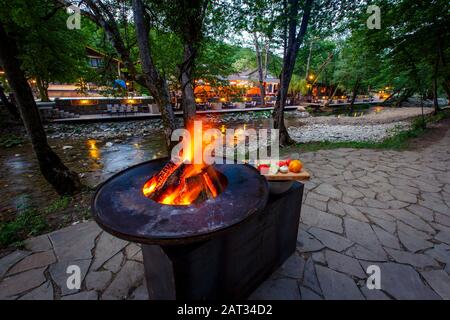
(398, 141)
(320, 49)
(167, 52)
(58, 205)
(27, 223)
(48, 50)
(422, 122)
(216, 60)
(405, 50)
(298, 84)
(10, 140)
(30, 221)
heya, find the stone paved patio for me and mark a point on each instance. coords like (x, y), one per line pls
(361, 208)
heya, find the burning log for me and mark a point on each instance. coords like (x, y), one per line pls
(168, 180)
(183, 184)
(213, 180)
(193, 191)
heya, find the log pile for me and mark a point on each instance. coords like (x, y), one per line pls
(184, 184)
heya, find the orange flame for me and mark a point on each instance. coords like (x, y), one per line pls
(192, 177)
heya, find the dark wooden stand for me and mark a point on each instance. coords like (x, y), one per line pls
(231, 264)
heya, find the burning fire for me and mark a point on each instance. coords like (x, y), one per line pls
(184, 183)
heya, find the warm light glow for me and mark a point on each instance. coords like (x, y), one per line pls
(198, 100)
(33, 81)
(223, 99)
(210, 184)
(192, 180)
(94, 153)
(2, 72)
(149, 187)
(84, 101)
(311, 77)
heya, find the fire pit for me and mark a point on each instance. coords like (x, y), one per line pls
(218, 246)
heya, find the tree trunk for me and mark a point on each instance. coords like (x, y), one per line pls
(43, 89)
(435, 86)
(446, 88)
(153, 80)
(355, 93)
(423, 122)
(390, 97)
(266, 57)
(435, 96)
(55, 172)
(101, 15)
(261, 77)
(403, 97)
(12, 109)
(190, 20)
(332, 96)
(446, 82)
(308, 61)
(293, 44)
(187, 88)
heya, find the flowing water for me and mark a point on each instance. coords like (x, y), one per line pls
(22, 184)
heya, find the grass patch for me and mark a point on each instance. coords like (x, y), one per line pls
(58, 204)
(10, 140)
(27, 223)
(398, 141)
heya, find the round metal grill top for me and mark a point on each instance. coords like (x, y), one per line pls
(120, 207)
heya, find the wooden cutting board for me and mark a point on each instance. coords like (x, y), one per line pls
(301, 176)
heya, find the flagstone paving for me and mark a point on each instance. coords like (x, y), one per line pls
(361, 208)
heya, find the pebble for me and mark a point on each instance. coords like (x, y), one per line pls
(370, 127)
(333, 133)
